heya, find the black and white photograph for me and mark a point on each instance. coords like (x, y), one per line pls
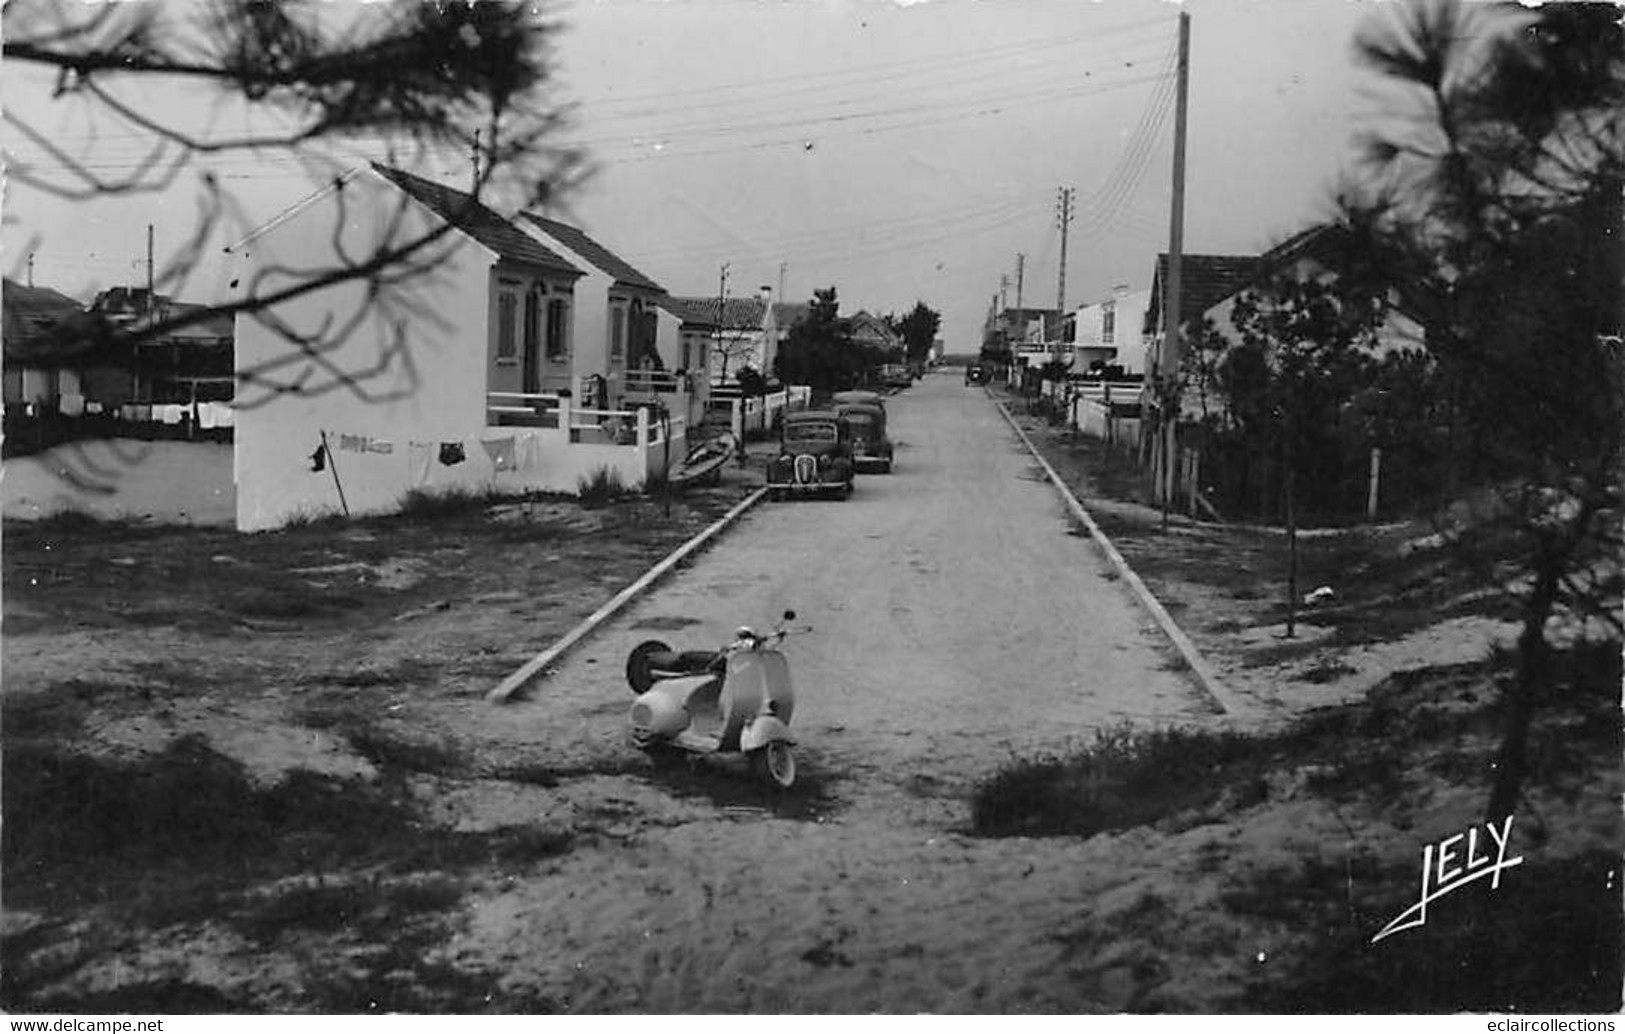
(792, 508)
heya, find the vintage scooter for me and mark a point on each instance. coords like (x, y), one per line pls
(736, 700)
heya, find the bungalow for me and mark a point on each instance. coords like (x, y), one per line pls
(350, 397)
(192, 363)
(617, 324)
(749, 333)
(870, 331)
(1108, 332)
(40, 371)
(1211, 284)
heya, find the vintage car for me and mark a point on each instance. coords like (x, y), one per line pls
(871, 448)
(815, 456)
(872, 398)
(975, 373)
(895, 376)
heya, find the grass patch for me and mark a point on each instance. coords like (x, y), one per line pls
(600, 488)
(1125, 778)
(393, 753)
(421, 505)
(186, 837)
(370, 907)
(1547, 941)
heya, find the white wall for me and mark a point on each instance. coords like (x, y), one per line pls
(166, 482)
(590, 334)
(1129, 333)
(433, 393)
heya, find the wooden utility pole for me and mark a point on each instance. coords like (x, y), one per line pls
(150, 299)
(722, 302)
(1063, 219)
(1168, 360)
(31, 269)
(1021, 271)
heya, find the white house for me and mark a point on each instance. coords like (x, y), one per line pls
(348, 400)
(749, 332)
(616, 307)
(1110, 331)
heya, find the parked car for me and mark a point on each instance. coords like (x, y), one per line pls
(858, 395)
(895, 376)
(815, 456)
(975, 373)
(871, 448)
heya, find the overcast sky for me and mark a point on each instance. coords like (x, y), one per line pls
(894, 151)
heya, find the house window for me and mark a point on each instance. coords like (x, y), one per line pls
(1108, 324)
(507, 308)
(558, 344)
(617, 332)
(533, 322)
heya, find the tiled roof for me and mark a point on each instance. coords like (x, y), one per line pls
(1205, 281)
(577, 241)
(30, 314)
(475, 219)
(738, 314)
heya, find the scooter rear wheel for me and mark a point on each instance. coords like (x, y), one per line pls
(639, 673)
(776, 761)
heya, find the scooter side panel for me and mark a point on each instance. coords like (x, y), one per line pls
(755, 677)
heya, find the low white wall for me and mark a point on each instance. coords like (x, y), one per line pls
(1089, 415)
(167, 482)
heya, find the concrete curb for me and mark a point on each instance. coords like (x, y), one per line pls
(538, 663)
(1206, 680)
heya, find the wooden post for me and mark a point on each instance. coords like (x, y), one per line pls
(333, 466)
(1373, 480)
(1168, 366)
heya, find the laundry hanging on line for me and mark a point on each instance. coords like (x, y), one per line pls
(500, 451)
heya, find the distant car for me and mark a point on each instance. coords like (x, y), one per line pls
(815, 456)
(871, 448)
(975, 373)
(895, 376)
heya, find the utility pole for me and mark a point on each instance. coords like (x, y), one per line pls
(1168, 360)
(1064, 213)
(31, 269)
(151, 301)
(782, 267)
(1004, 288)
(1021, 272)
(722, 301)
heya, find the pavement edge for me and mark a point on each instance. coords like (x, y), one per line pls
(533, 667)
(1205, 678)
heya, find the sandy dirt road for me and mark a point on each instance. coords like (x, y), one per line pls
(957, 623)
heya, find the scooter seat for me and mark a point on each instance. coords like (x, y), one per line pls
(697, 660)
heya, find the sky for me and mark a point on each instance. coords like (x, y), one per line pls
(895, 151)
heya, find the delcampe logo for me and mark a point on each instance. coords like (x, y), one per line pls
(1445, 874)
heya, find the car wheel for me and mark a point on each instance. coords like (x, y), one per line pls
(776, 761)
(639, 672)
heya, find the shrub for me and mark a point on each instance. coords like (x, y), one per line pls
(424, 505)
(600, 488)
(1125, 778)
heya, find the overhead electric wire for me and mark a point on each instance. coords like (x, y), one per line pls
(951, 60)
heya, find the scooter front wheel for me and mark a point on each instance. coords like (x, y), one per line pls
(776, 761)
